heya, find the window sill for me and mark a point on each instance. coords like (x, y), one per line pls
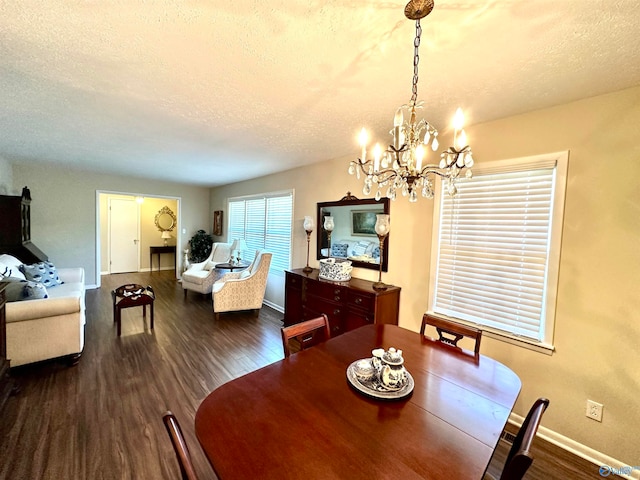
(520, 342)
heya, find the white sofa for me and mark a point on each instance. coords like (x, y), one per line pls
(201, 276)
(46, 328)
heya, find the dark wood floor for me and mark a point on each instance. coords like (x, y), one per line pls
(102, 418)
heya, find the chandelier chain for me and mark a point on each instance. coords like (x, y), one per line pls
(402, 167)
(416, 60)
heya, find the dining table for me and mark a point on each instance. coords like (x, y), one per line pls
(302, 418)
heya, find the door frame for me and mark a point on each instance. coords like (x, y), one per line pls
(133, 194)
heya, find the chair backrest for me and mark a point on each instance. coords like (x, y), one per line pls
(221, 252)
(519, 458)
(308, 333)
(451, 332)
(180, 446)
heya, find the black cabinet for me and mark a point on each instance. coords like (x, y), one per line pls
(15, 228)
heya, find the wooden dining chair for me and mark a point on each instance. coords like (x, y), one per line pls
(450, 332)
(519, 458)
(308, 333)
(180, 446)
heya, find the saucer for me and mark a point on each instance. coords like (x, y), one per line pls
(373, 388)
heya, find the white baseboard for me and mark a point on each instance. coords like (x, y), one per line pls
(274, 306)
(605, 465)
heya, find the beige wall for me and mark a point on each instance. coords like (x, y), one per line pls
(6, 179)
(598, 313)
(63, 210)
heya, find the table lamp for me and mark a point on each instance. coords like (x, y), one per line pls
(329, 226)
(238, 246)
(382, 230)
(166, 235)
(308, 227)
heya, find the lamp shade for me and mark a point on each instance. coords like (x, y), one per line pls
(239, 244)
(166, 234)
(308, 223)
(328, 224)
(382, 225)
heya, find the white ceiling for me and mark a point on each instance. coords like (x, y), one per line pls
(211, 92)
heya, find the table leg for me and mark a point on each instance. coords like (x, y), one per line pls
(152, 315)
(144, 310)
(118, 320)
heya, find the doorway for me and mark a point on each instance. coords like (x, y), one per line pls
(108, 248)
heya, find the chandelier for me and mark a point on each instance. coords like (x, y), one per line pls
(400, 167)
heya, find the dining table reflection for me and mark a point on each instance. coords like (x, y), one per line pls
(300, 418)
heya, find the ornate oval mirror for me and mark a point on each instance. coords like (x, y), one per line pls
(353, 235)
(166, 220)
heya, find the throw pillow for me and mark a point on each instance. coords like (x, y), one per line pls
(339, 250)
(9, 272)
(376, 252)
(25, 290)
(42, 272)
(360, 248)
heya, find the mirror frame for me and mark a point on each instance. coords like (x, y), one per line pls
(166, 211)
(351, 201)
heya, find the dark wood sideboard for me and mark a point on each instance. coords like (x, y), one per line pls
(348, 305)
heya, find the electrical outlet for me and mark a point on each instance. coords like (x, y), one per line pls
(594, 410)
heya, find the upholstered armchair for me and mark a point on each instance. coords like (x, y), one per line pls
(200, 277)
(242, 290)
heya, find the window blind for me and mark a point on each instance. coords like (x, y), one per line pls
(493, 251)
(264, 221)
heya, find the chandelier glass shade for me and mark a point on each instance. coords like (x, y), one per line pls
(402, 166)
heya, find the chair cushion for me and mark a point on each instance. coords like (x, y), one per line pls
(198, 277)
(42, 272)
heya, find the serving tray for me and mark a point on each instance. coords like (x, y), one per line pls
(375, 389)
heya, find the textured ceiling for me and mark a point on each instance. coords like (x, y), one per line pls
(211, 92)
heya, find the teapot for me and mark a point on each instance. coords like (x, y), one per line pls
(389, 366)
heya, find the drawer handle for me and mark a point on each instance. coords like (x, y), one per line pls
(358, 300)
(337, 291)
(336, 311)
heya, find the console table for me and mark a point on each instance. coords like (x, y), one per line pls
(159, 251)
(348, 305)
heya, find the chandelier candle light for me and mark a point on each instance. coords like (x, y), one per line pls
(400, 166)
(382, 228)
(329, 226)
(308, 227)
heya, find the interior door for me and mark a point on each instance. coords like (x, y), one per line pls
(124, 250)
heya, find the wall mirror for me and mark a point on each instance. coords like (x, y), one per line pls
(353, 236)
(166, 220)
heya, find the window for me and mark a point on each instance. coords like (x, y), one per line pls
(496, 248)
(264, 221)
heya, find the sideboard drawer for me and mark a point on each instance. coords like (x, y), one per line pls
(361, 300)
